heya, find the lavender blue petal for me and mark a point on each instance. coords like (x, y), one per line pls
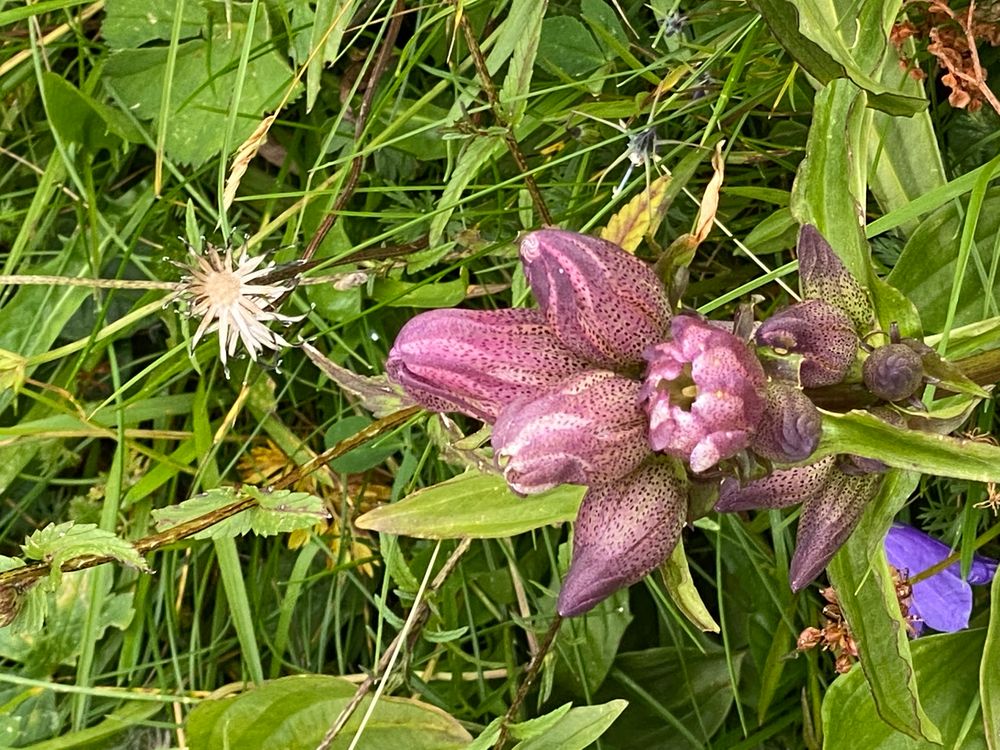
(476, 362)
(603, 303)
(624, 531)
(587, 429)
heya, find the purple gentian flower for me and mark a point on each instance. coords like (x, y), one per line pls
(560, 386)
(943, 601)
(703, 393)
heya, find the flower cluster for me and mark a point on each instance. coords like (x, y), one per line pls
(605, 385)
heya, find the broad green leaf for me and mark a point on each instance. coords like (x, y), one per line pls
(295, 712)
(862, 434)
(363, 457)
(203, 88)
(474, 505)
(830, 186)
(867, 595)
(839, 41)
(989, 671)
(588, 645)
(926, 269)
(123, 720)
(59, 543)
(133, 23)
(575, 730)
(680, 586)
(275, 512)
(946, 666)
(528, 15)
(567, 46)
(666, 710)
(395, 293)
(79, 118)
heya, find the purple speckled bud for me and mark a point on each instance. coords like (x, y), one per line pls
(603, 303)
(943, 601)
(821, 333)
(779, 489)
(827, 519)
(823, 275)
(702, 393)
(476, 362)
(623, 532)
(893, 372)
(790, 426)
(587, 429)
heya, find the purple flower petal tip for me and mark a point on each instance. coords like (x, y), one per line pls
(601, 302)
(821, 333)
(943, 601)
(702, 393)
(789, 429)
(827, 519)
(823, 275)
(476, 362)
(589, 428)
(624, 531)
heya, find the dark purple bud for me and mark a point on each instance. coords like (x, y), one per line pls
(790, 426)
(603, 303)
(943, 601)
(827, 519)
(587, 429)
(821, 333)
(702, 393)
(477, 362)
(623, 532)
(823, 275)
(893, 372)
(779, 489)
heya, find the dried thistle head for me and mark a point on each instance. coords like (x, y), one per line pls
(230, 293)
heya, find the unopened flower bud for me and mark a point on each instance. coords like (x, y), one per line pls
(476, 362)
(823, 275)
(589, 429)
(623, 532)
(602, 303)
(822, 334)
(790, 426)
(893, 372)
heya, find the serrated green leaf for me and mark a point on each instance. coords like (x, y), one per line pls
(862, 434)
(866, 593)
(295, 712)
(946, 665)
(205, 75)
(473, 505)
(59, 543)
(526, 16)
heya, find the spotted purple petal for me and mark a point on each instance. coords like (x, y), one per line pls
(603, 303)
(790, 426)
(779, 489)
(589, 428)
(827, 519)
(823, 275)
(702, 393)
(623, 532)
(476, 362)
(943, 601)
(821, 333)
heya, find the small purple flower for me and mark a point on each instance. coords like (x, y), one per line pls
(942, 602)
(820, 333)
(702, 393)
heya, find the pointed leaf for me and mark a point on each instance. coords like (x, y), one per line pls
(640, 217)
(680, 585)
(989, 671)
